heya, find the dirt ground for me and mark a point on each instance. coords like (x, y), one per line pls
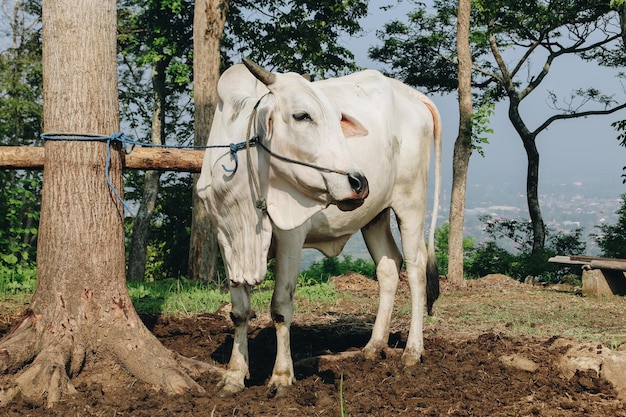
(463, 373)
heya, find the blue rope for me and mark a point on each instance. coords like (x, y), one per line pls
(234, 148)
(129, 144)
(120, 137)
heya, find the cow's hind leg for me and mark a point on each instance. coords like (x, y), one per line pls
(415, 257)
(288, 253)
(388, 260)
(233, 380)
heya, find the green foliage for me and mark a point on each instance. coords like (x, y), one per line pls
(480, 126)
(422, 52)
(16, 279)
(612, 237)
(155, 63)
(322, 271)
(20, 124)
(287, 35)
(518, 261)
(19, 217)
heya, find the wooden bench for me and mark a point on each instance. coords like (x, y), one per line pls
(601, 276)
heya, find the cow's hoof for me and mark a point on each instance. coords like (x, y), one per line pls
(410, 359)
(372, 353)
(279, 391)
(229, 389)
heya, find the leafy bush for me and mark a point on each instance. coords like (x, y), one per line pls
(322, 271)
(612, 237)
(19, 217)
(490, 257)
(16, 279)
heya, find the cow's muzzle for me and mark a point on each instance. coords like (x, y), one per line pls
(360, 190)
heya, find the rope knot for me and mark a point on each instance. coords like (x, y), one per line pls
(234, 148)
(261, 204)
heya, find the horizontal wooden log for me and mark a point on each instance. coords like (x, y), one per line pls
(165, 159)
(613, 265)
(567, 260)
(592, 262)
(159, 159)
(586, 258)
(21, 157)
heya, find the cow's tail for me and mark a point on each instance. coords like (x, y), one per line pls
(432, 271)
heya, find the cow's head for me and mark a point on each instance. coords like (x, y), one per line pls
(293, 120)
(298, 122)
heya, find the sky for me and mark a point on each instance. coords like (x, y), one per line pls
(571, 152)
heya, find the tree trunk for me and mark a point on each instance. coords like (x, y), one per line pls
(208, 26)
(141, 225)
(532, 175)
(141, 228)
(81, 310)
(621, 10)
(532, 195)
(462, 145)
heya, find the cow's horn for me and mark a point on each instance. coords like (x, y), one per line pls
(259, 72)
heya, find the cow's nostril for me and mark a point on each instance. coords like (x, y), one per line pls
(358, 183)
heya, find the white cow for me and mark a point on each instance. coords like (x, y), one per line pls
(309, 139)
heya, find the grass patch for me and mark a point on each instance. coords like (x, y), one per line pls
(535, 312)
(513, 311)
(172, 296)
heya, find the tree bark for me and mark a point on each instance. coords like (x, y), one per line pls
(81, 310)
(141, 224)
(208, 26)
(462, 145)
(532, 175)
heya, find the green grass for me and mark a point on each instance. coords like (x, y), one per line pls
(172, 296)
(513, 311)
(169, 296)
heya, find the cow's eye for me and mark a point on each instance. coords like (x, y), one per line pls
(302, 116)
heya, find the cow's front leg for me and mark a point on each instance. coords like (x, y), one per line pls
(288, 253)
(234, 377)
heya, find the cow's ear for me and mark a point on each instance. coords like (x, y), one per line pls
(351, 127)
(287, 206)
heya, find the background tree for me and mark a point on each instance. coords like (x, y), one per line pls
(20, 121)
(155, 38)
(422, 53)
(293, 35)
(612, 237)
(208, 27)
(462, 145)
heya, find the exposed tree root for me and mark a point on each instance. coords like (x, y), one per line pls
(45, 355)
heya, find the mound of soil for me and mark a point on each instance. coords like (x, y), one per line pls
(482, 374)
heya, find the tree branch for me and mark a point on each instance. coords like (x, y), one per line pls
(556, 117)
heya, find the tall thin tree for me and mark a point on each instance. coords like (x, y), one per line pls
(462, 145)
(208, 26)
